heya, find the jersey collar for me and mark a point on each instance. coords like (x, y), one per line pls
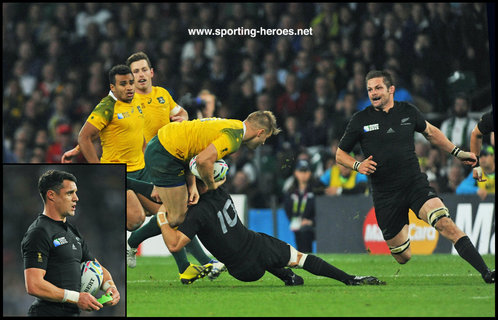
(112, 95)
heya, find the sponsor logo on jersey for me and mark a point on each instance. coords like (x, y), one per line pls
(371, 127)
(40, 259)
(391, 130)
(161, 100)
(60, 241)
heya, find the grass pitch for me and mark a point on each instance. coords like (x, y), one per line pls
(439, 285)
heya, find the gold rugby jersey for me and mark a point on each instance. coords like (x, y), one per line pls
(157, 107)
(121, 127)
(186, 139)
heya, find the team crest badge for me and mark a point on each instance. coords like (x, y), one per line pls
(161, 100)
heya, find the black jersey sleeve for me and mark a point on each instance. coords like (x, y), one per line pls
(486, 124)
(351, 135)
(192, 223)
(35, 248)
(420, 124)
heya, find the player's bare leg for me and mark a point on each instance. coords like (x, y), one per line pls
(151, 207)
(436, 214)
(445, 226)
(135, 214)
(175, 200)
(400, 246)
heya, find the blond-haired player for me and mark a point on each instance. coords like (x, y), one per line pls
(167, 155)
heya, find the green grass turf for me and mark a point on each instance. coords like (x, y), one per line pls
(433, 285)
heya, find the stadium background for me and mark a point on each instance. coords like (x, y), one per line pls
(100, 218)
(56, 58)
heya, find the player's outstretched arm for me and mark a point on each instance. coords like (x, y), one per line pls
(175, 240)
(437, 138)
(68, 156)
(181, 115)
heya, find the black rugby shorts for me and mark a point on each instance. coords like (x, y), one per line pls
(391, 208)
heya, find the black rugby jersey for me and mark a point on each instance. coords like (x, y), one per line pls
(58, 248)
(215, 222)
(389, 138)
(486, 124)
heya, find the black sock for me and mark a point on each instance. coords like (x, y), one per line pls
(148, 230)
(319, 267)
(469, 253)
(139, 186)
(194, 248)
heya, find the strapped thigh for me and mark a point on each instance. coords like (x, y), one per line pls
(436, 214)
(401, 248)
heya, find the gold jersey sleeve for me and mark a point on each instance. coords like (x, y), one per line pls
(186, 139)
(121, 132)
(157, 107)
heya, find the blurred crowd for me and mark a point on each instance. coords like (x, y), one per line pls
(56, 57)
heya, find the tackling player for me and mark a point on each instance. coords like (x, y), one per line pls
(52, 249)
(246, 254)
(385, 131)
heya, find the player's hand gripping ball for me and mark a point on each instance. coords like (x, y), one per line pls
(220, 169)
(91, 277)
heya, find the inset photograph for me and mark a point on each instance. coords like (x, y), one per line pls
(64, 240)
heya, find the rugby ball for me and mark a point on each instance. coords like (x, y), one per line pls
(220, 169)
(91, 277)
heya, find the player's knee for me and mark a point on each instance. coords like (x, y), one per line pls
(175, 220)
(133, 225)
(134, 219)
(436, 217)
(402, 253)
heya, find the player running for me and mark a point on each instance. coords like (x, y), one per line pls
(385, 131)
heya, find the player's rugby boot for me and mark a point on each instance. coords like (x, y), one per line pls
(489, 276)
(217, 269)
(194, 272)
(294, 280)
(131, 256)
(364, 280)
